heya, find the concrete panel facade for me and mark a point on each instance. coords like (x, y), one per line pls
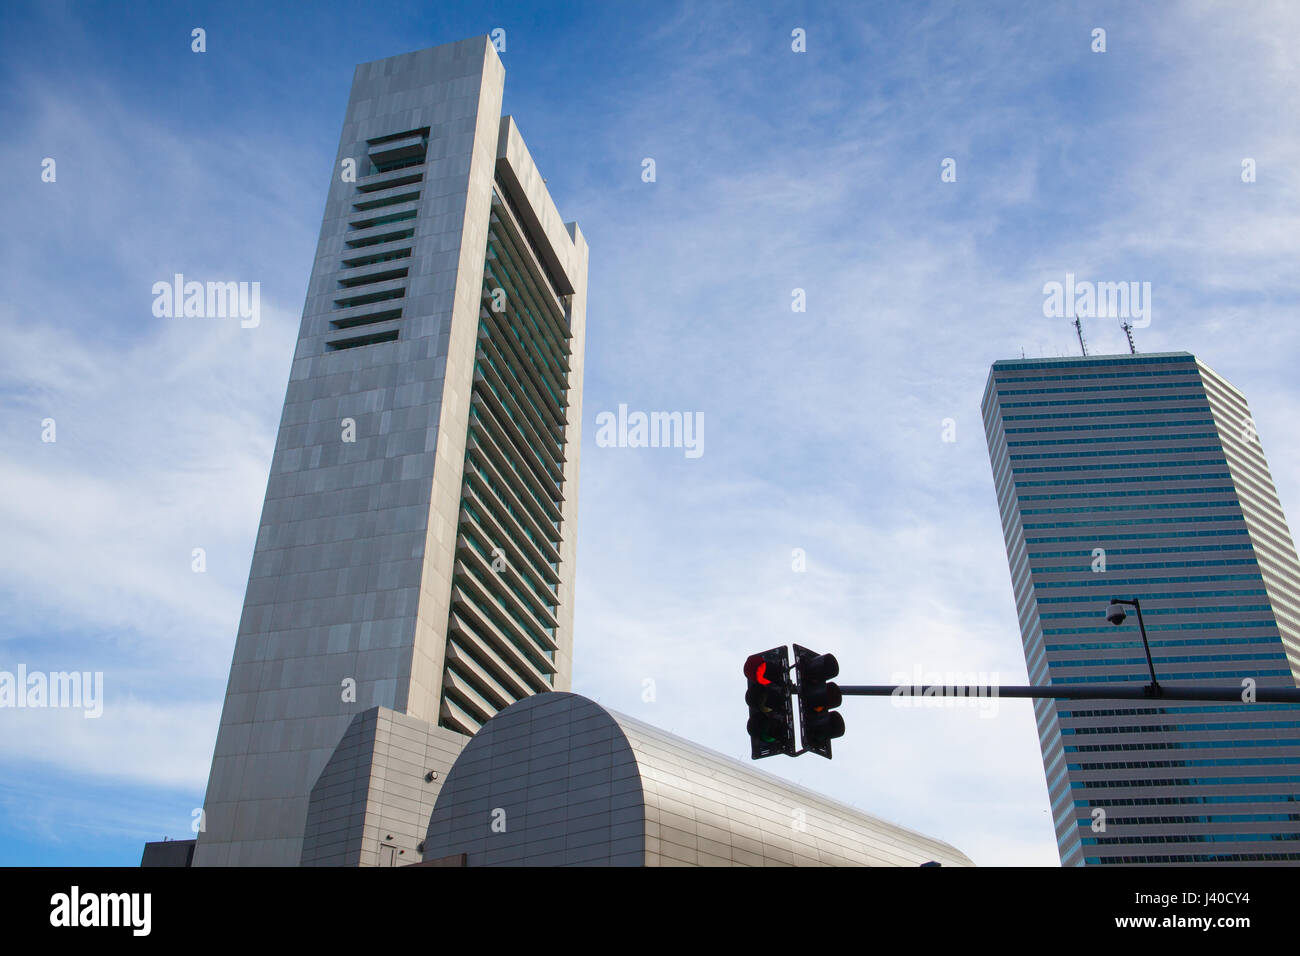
(350, 586)
(371, 804)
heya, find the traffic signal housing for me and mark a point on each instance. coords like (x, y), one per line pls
(818, 698)
(771, 708)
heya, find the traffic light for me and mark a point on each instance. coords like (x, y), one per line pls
(818, 697)
(771, 710)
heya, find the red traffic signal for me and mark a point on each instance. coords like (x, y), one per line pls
(756, 668)
(771, 707)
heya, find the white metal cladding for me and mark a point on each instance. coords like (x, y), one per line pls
(556, 779)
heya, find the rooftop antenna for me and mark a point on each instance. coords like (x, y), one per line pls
(1078, 327)
(1128, 330)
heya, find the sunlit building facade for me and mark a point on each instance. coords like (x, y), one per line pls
(1142, 476)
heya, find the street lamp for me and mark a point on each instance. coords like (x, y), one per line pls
(1115, 614)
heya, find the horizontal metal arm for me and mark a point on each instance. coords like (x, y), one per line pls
(1289, 695)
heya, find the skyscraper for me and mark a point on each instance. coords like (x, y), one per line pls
(1143, 476)
(416, 546)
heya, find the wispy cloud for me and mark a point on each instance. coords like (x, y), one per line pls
(775, 171)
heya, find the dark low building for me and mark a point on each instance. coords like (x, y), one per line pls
(168, 853)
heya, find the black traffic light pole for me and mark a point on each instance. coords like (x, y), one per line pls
(1289, 695)
(771, 708)
(1153, 691)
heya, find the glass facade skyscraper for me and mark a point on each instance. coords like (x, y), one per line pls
(1143, 476)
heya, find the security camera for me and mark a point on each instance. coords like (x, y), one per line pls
(1115, 614)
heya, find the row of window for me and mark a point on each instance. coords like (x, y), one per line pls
(1146, 466)
(1110, 440)
(1095, 541)
(1158, 659)
(1118, 453)
(1175, 708)
(1128, 509)
(1197, 838)
(1087, 554)
(1176, 596)
(1089, 375)
(1106, 583)
(1139, 565)
(1196, 396)
(1189, 626)
(1127, 522)
(1194, 799)
(1189, 728)
(1138, 360)
(1112, 821)
(1135, 493)
(1182, 744)
(1121, 426)
(1126, 412)
(1231, 676)
(1077, 389)
(1167, 611)
(1115, 480)
(1165, 764)
(1180, 642)
(1198, 858)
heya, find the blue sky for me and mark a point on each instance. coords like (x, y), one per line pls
(776, 171)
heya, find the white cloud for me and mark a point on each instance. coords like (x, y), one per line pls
(822, 428)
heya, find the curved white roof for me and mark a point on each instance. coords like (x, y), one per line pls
(557, 779)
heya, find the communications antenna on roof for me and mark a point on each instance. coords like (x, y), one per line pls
(1078, 327)
(1128, 330)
